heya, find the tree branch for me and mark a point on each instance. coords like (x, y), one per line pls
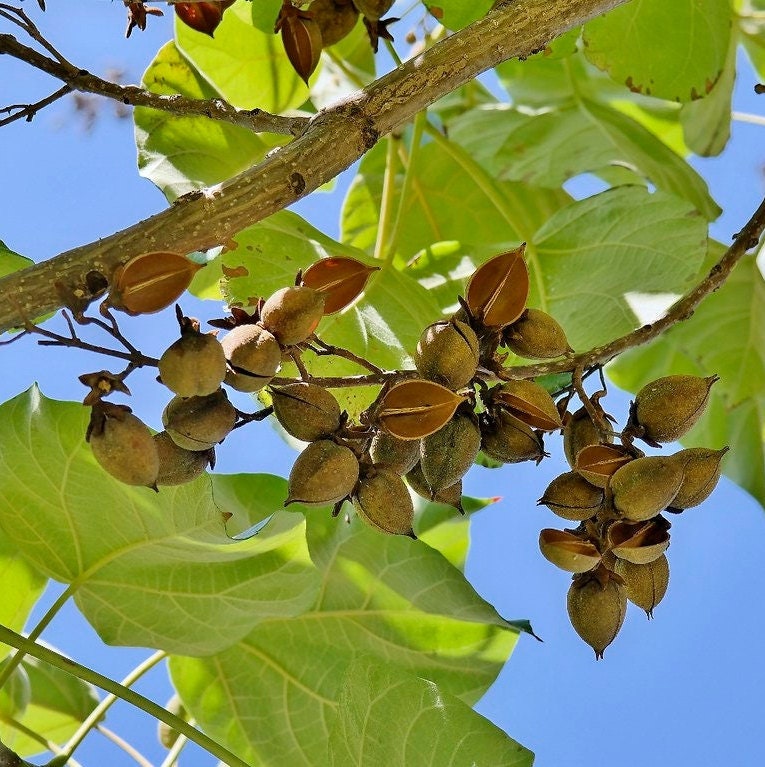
(334, 139)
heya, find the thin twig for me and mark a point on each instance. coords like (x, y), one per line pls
(20, 19)
(124, 745)
(28, 111)
(338, 351)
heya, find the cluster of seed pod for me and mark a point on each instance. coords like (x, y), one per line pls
(617, 493)
(427, 426)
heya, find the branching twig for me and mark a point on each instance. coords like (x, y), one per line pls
(28, 111)
(337, 351)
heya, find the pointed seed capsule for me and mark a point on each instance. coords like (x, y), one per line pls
(504, 438)
(339, 279)
(638, 542)
(597, 463)
(446, 456)
(596, 611)
(642, 488)
(176, 465)
(253, 355)
(447, 353)
(701, 472)
(398, 455)
(199, 423)
(306, 411)
(451, 496)
(646, 584)
(417, 408)
(383, 501)
(529, 402)
(536, 335)
(496, 294)
(568, 551)
(579, 432)
(572, 497)
(323, 473)
(292, 313)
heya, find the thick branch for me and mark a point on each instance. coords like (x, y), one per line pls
(335, 139)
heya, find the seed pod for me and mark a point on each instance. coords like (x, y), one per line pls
(570, 496)
(536, 335)
(254, 356)
(398, 455)
(151, 282)
(597, 463)
(579, 432)
(382, 500)
(306, 411)
(198, 423)
(701, 472)
(568, 551)
(195, 364)
(596, 611)
(302, 41)
(339, 279)
(336, 20)
(496, 294)
(638, 542)
(176, 465)
(504, 438)
(168, 735)
(122, 445)
(202, 16)
(323, 473)
(415, 409)
(647, 584)
(373, 9)
(645, 486)
(446, 456)
(451, 496)
(447, 353)
(292, 314)
(528, 402)
(665, 409)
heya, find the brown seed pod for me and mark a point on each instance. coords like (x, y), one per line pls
(123, 446)
(306, 411)
(339, 279)
(665, 409)
(579, 432)
(373, 9)
(150, 282)
(195, 364)
(382, 500)
(323, 473)
(447, 353)
(254, 357)
(496, 294)
(451, 496)
(638, 542)
(572, 497)
(414, 409)
(646, 584)
(301, 38)
(568, 551)
(528, 402)
(198, 423)
(536, 335)
(292, 314)
(176, 465)
(398, 455)
(701, 472)
(504, 438)
(202, 16)
(336, 20)
(642, 488)
(597, 611)
(597, 463)
(446, 456)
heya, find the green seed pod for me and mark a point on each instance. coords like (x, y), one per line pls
(642, 488)
(665, 409)
(536, 335)
(447, 353)
(570, 496)
(596, 611)
(446, 456)
(398, 455)
(382, 500)
(504, 438)
(323, 473)
(306, 411)
(701, 472)
(529, 402)
(292, 314)
(176, 465)
(254, 356)
(451, 496)
(646, 584)
(198, 423)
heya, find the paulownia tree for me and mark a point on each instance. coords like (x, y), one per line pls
(467, 309)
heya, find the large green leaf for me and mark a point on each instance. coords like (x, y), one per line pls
(11, 261)
(440, 729)
(726, 335)
(152, 569)
(235, 60)
(22, 585)
(180, 154)
(58, 703)
(548, 149)
(672, 50)
(592, 254)
(273, 697)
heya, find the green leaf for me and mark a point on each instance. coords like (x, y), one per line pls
(11, 261)
(548, 149)
(592, 255)
(22, 586)
(15, 694)
(674, 50)
(58, 704)
(153, 569)
(181, 154)
(440, 730)
(234, 62)
(273, 697)
(726, 335)
(264, 13)
(456, 14)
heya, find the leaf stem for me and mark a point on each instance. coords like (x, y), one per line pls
(388, 195)
(175, 751)
(746, 117)
(47, 655)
